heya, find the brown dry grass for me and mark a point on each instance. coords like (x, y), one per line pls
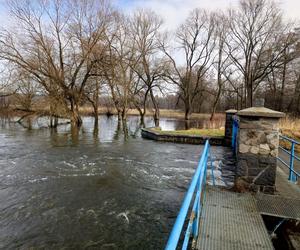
(193, 131)
(290, 127)
(217, 123)
(168, 113)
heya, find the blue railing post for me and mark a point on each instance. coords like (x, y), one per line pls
(235, 127)
(233, 135)
(292, 176)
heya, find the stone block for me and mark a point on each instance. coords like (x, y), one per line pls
(274, 153)
(264, 149)
(243, 148)
(253, 171)
(243, 138)
(268, 160)
(254, 150)
(242, 168)
(252, 160)
(262, 139)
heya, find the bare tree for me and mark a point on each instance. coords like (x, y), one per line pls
(54, 42)
(147, 64)
(252, 27)
(294, 105)
(119, 75)
(27, 91)
(221, 63)
(197, 41)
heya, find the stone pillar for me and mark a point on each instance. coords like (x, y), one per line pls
(258, 142)
(228, 126)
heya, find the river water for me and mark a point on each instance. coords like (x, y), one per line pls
(93, 189)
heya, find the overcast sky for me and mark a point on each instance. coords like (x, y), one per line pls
(175, 11)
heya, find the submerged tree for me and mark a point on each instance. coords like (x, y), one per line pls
(147, 64)
(116, 68)
(54, 41)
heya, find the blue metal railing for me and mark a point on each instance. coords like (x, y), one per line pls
(235, 129)
(293, 175)
(197, 185)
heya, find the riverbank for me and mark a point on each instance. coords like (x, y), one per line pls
(198, 120)
(88, 111)
(289, 126)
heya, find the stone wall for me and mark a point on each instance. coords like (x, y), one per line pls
(258, 142)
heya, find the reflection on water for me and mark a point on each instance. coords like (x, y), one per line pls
(103, 188)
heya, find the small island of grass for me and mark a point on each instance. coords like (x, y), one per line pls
(193, 132)
(190, 136)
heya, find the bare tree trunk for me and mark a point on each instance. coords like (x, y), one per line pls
(187, 113)
(96, 113)
(156, 109)
(96, 129)
(215, 104)
(187, 108)
(125, 129)
(283, 82)
(75, 116)
(119, 115)
(219, 74)
(124, 115)
(142, 115)
(294, 105)
(187, 124)
(53, 115)
(249, 95)
(96, 117)
(74, 134)
(96, 103)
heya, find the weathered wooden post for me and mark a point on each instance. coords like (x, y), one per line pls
(228, 126)
(258, 141)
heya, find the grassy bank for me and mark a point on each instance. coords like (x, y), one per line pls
(193, 131)
(290, 127)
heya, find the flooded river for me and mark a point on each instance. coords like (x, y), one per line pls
(92, 190)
